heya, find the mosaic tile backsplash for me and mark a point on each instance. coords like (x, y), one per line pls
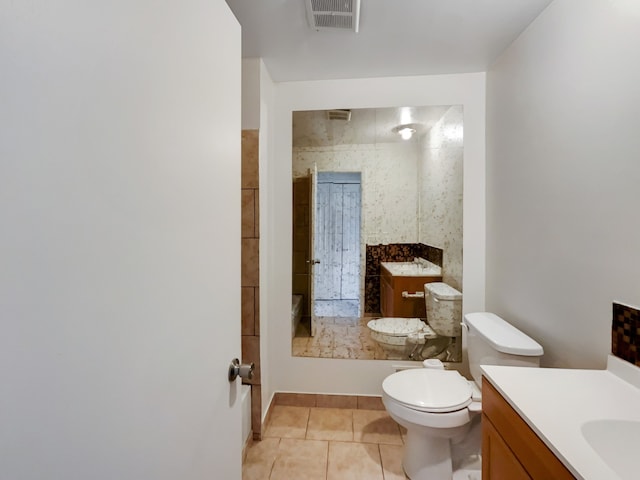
(394, 252)
(625, 333)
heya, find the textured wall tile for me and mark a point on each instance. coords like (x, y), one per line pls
(256, 310)
(248, 311)
(295, 399)
(251, 354)
(248, 213)
(256, 411)
(337, 401)
(250, 159)
(370, 403)
(625, 338)
(250, 273)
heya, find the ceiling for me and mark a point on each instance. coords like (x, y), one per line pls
(395, 38)
(366, 126)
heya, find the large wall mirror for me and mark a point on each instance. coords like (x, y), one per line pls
(377, 233)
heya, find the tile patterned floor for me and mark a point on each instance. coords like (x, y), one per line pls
(338, 337)
(326, 444)
(336, 308)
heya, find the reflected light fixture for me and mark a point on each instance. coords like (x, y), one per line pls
(406, 130)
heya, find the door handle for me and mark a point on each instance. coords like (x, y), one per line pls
(313, 262)
(236, 369)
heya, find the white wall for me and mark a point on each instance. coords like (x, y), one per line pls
(441, 192)
(299, 374)
(267, 224)
(389, 186)
(119, 168)
(251, 71)
(563, 177)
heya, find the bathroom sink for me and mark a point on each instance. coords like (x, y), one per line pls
(616, 442)
(413, 269)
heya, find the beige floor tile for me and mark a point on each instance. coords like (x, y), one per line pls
(287, 422)
(403, 432)
(392, 462)
(260, 458)
(354, 461)
(300, 459)
(375, 426)
(330, 424)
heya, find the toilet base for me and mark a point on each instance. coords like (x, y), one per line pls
(427, 458)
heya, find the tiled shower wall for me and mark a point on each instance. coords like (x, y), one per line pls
(393, 252)
(625, 338)
(250, 273)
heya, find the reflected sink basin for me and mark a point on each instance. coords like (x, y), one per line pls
(616, 442)
(412, 269)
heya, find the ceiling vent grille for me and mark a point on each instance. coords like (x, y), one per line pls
(339, 114)
(331, 14)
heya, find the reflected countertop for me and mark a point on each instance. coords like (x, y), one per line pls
(423, 268)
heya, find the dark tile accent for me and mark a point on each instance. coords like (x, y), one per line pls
(370, 403)
(372, 294)
(625, 333)
(295, 399)
(433, 254)
(327, 401)
(336, 401)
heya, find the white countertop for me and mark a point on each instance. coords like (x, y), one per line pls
(413, 269)
(556, 403)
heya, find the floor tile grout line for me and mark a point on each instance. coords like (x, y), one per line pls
(381, 465)
(326, 468)
(306, 428)
(273, 464)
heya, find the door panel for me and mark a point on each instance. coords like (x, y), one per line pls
(350, 281)
(337, 237)
(313, 266)
(120, 279)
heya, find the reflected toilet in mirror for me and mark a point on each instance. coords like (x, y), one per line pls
(413, 339)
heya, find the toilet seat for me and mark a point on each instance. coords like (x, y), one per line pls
(398, 327)
(432, 391)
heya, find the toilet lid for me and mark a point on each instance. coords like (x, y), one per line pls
(397, 327)
(442, 291)
(427, 390)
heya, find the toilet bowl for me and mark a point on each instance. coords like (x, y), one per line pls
(398, 336)
(437, 406)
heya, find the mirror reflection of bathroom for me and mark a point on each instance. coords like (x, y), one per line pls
(377, 233)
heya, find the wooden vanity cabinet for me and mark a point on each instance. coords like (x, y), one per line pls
(511, 450)
(393, 304)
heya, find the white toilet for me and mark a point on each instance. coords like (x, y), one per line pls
(444, 315)
(403, 338)
(396, 335)
(436, 405)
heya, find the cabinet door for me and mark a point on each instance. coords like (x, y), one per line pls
(498, 461)
(386, 296)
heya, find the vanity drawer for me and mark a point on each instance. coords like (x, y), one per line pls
(509, 443)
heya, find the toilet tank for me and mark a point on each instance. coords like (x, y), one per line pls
(493, 341)
(444, 308)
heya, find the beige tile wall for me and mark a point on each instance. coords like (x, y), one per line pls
(250, 274)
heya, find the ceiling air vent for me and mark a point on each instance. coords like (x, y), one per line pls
(331, 14)
(339, 115)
